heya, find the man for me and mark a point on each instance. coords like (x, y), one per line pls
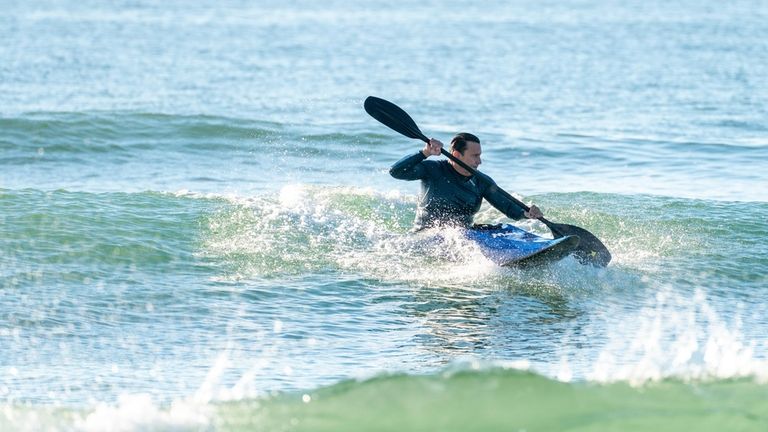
(451, 195)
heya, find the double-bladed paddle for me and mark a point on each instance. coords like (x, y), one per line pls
(590, 249)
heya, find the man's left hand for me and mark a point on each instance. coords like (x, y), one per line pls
(533, 213)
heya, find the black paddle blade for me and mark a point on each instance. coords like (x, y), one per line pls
(590, 249)
(393, 116)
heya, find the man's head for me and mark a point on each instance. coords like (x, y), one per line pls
(466, 147)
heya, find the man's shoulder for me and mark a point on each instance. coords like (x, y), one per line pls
(484, 182)
(483, 178)
(435, 165)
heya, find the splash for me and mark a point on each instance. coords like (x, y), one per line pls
(310, 228)
(676, 336)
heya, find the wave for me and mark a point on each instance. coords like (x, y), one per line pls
(84, 131)
(503, 399)
(314, 226)
(456, 399)
(115, 150)
(109, 132)
(308, 228)
(62, 228)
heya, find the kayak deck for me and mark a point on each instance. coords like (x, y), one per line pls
(508, 245)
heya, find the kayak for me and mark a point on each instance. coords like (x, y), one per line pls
(508, 245)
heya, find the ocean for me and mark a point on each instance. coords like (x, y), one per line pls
(198, 231)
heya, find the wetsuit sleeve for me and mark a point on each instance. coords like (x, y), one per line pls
(409, 168)
(499, 199)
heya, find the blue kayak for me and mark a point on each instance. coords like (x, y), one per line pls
(508, 245)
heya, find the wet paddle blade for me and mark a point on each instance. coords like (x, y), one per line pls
(393, 116)
(590, 250)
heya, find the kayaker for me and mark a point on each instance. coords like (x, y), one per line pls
(450, 195)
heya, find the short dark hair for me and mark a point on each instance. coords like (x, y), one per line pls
(459, 142)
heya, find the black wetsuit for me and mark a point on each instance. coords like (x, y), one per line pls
(447, 197)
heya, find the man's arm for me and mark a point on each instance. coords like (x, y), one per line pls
(501, 202)
(410, 167)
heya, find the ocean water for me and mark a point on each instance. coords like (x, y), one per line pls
(198, 231)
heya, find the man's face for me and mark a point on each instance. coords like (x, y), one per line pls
(470, 157)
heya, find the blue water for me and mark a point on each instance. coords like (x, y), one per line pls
(198, 231)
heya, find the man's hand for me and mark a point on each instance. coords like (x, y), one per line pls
(433, 147)
(533, 213)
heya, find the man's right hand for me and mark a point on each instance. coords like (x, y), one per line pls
(431, 148)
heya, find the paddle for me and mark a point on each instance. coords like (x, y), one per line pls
(590, 250)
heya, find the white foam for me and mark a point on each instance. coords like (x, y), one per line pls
(138, 412)
(675, 336)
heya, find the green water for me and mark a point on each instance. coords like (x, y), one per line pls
(198, 231)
